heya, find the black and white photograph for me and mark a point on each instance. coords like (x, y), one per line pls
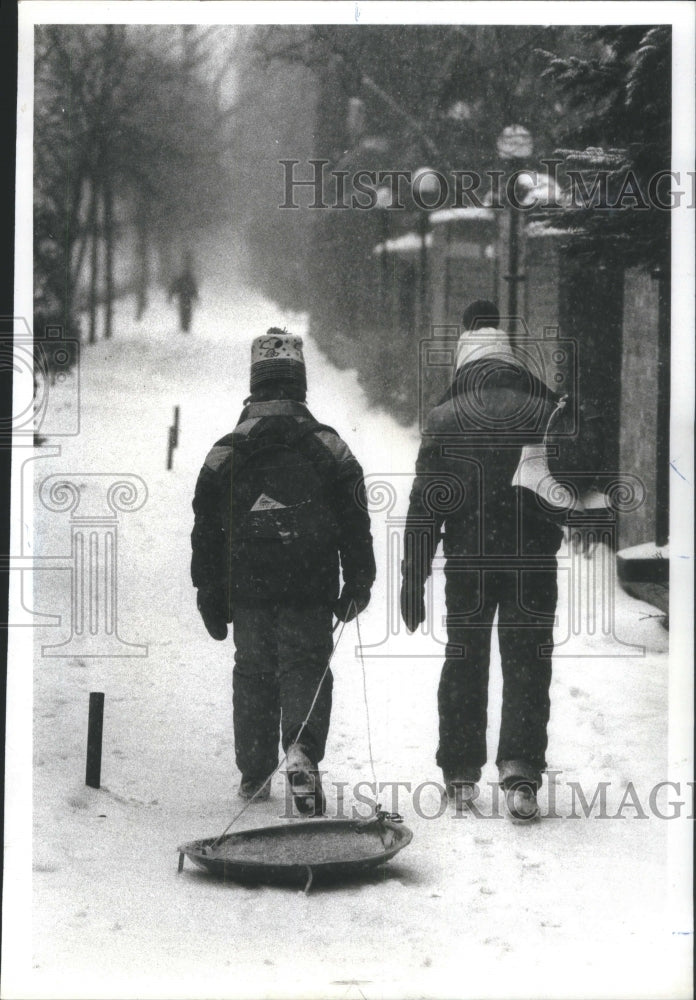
(350, 617)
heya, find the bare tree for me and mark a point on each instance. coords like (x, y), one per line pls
(130, 128)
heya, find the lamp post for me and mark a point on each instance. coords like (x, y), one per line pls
(384, 204)
(514, 147)
(425, 185)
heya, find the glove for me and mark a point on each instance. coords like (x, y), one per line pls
(212, 609)
(412, 605)
(350, 603)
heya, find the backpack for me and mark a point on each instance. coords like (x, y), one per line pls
(281, 528)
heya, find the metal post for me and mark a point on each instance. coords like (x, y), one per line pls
(513, 275)
(423, 227)
(384, 232)
(95, 729)
(663, 399)
(176, 426)
(170, 448)
(514, 146)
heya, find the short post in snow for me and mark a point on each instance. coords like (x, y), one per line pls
(95, 729)
(173, 439)
(175, 428)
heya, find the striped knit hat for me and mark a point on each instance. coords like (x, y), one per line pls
(277, 355)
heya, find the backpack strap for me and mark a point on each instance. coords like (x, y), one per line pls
(279, 432)
(315, 427)
(311, 446)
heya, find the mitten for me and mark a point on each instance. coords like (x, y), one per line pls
(412, 604)
(212, 609)
(350, 603)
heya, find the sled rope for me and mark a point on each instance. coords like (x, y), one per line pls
(367, 707)
(285, 756)
(379, 812)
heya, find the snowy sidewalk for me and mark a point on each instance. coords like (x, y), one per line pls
(474, 907)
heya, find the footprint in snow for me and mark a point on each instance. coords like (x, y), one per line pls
(77, 801)
(498, 943)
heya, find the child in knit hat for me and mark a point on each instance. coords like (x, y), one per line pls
(280, 516)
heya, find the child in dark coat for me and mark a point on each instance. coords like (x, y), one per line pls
(279, 506)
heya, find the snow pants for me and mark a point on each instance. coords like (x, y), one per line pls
(525, 599)
(281, 652)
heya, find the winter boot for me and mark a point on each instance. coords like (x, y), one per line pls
(521, 801)
(258, 789)
(461, 786)
(305, 782)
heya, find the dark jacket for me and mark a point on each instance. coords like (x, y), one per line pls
(474, 441)
(279, 573)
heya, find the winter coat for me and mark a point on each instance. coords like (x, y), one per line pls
(480, 445)
(307, 573)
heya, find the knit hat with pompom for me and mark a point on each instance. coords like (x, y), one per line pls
(277, 355)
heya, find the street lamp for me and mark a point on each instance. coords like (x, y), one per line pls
(384, 204)
(514, 146)
(426, 185)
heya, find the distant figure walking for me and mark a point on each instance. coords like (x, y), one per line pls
(185, 289)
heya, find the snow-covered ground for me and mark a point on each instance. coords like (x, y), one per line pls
(474, 907)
